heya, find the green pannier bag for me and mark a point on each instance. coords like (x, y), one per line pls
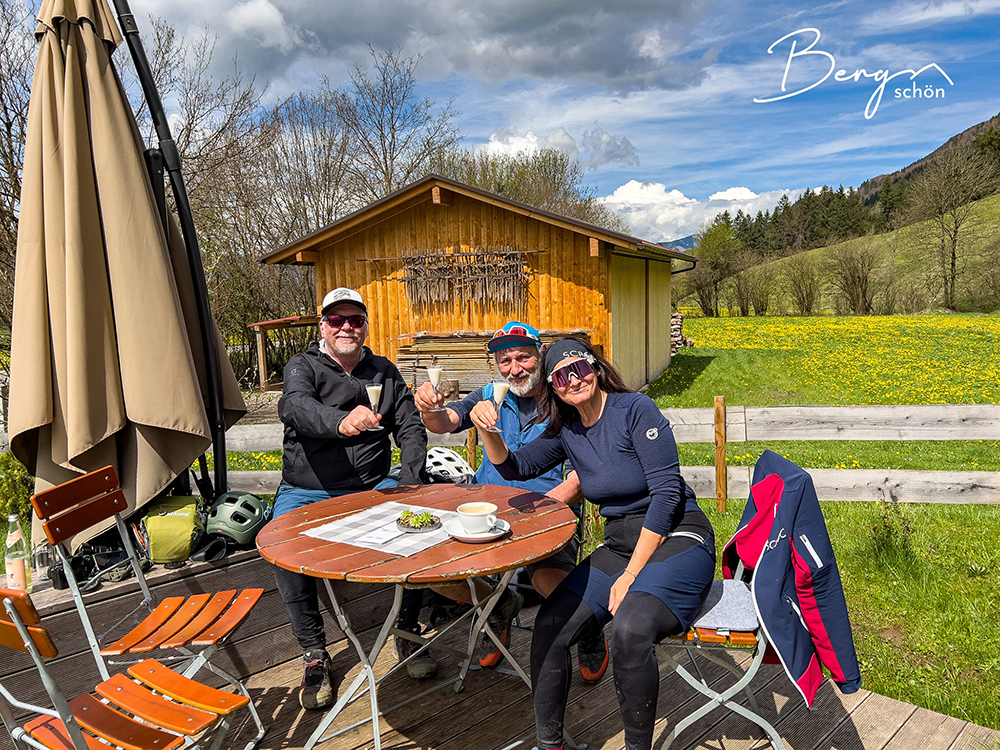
(172, 528)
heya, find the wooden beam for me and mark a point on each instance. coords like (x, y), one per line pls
(471, 443)
(307, 257)
(441, 197)
(721, 475)
(262, 357)
(595, 247)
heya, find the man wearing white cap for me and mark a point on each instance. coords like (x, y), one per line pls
(330, 449)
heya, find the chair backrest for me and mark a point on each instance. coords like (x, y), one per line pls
(76, 505)
(21, 629)
(19, 609)
(72, 507)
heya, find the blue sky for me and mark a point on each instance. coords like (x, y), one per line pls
(656, 98)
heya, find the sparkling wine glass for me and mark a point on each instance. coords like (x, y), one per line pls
(500, 388)
(434, 375)
(374, 394)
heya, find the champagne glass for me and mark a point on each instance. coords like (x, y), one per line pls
(500, 388)
(434, 375)
(374, 394)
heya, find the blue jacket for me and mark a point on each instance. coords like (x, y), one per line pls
(785, 548)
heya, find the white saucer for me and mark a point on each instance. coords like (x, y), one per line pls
(455, 529)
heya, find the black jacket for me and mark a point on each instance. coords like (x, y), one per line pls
(318, 394)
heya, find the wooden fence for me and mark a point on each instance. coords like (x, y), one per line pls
(833, 423)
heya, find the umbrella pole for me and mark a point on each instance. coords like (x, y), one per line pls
(172, 162)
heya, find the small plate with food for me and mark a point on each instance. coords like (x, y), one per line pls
(414, 522)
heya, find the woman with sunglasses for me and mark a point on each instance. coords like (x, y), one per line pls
(658, 557)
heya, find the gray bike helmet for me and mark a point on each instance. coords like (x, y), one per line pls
(238, 516)
(445, 463)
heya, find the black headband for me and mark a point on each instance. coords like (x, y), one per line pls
(562, 349)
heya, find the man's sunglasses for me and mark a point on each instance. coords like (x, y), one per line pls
(560, 377)
(337, 321)
(513, 331)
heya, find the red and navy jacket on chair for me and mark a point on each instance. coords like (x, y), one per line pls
(786, 552)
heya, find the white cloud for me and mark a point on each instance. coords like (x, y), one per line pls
(261, 22)
(661, 215)
(733, 194)
(910, 14)
(604, 148)
(598, 146)
(506, 141)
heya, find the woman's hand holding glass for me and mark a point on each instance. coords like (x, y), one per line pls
(484, 416)
(500, 388)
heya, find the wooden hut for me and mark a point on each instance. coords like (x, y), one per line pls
(441, 265)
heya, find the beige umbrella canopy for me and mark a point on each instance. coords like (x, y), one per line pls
(106, 354)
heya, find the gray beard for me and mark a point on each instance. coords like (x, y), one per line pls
(528, 386)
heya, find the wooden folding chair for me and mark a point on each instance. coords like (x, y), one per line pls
(157, 708)
(188, 630)
(727, 620)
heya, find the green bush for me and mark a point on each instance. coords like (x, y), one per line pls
(891, 533)
(16, 487)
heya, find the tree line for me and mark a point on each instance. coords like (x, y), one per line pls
(263, 172)
(762, 264)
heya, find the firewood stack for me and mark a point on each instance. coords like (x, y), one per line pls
(677, 337)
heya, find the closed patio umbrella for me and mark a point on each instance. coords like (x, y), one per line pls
(107, 359)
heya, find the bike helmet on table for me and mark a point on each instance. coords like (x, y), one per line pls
(238, 516)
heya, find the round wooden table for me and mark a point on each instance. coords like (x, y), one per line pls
(539, 527)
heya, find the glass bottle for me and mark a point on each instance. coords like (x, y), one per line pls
(16, 559)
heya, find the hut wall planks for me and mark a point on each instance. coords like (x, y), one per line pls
(567, 288)
(628, 319)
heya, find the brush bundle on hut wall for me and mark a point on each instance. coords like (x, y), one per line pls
(491, 276)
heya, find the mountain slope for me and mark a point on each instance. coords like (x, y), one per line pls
(870, 189)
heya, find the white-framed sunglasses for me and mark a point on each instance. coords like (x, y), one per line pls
(560, 376)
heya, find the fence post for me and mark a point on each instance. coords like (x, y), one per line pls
(721, 479)
(471, 441)
(262, 357)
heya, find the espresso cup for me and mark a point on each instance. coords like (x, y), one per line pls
(477, 518)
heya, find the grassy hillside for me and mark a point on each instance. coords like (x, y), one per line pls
(905, 252)
(906, 256)
(900, 359)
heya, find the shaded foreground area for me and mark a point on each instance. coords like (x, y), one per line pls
(494, 711)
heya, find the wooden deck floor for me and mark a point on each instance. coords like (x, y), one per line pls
(494, 711)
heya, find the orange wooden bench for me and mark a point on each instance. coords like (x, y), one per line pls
(157, 708)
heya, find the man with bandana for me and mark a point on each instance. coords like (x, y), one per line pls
(517, 351)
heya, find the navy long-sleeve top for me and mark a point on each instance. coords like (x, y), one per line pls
(627, 462)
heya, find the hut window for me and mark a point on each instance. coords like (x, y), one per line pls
(492, 276)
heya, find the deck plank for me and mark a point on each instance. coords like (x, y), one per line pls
(926, 729)
(975, 737)
(871, 725)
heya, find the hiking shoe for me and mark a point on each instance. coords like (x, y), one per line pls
(592, 654)
(500, 623)
(420, 667)
(317, 687)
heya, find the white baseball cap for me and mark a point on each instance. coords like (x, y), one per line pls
(343, 296)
